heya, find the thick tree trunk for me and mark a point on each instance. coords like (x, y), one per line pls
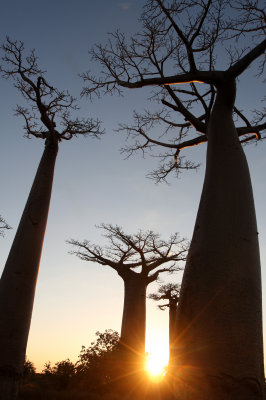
(18, 281)
(172, 334)
(132, 339)
(219, 315)
(134, 314)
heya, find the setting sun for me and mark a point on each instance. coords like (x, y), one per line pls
(155, 365)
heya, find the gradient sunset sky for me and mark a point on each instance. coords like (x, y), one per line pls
(93, 183)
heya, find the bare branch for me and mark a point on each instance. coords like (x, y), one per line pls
(242, 64)
(3, 225)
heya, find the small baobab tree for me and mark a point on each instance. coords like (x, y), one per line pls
(138, 259)
(170, 293)
(49, 108)
(193, 54)
(3, 225)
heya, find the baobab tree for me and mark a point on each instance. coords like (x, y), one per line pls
(138, 259)
(169, 292)
(49, 107)
(191, 53)
(3, 225)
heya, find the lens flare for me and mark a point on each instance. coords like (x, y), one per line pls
(155, 365)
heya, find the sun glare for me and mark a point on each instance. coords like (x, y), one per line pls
(156, 364)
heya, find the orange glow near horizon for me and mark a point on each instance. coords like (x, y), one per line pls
(157, 350)
(155, 365)
(181, 83)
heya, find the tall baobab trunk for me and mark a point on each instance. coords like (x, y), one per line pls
(132, 338)
(134, 314)
(219, 314)
(18, 281)
(173, 333)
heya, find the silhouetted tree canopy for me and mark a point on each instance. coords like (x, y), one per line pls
(49, 106)
(98, 364)
(168, 291)
(96, 353)
(29, 368)
(184, 51)
(144, 250)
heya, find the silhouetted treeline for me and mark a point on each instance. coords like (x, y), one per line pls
(99, 373)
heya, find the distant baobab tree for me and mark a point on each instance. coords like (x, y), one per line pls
(49, 108)
(192, 54)
(170, 293)
(138, 259)
(3, 225)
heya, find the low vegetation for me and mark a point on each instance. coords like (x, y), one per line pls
(99, 373)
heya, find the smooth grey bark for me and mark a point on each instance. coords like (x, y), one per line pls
(18, 281)
(220, 347)
(133, 326)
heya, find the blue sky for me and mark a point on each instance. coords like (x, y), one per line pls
(93, 183)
